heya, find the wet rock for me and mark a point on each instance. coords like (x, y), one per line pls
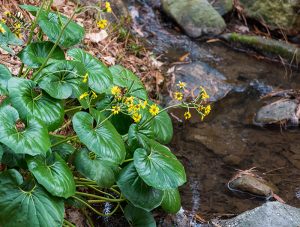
(196, 17)
(270, 214)
(266, 46)
(222, 6)
(232, 159)
(253, 184)
(283, 15)
(200, 74)
(281, 111)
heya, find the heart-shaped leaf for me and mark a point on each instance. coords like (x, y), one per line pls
(137, 138)
(52, 25)
(8, 38)
(35, 54)
(99, 76)
(161, 125)
(171, 202)
(5, 75)
(102, 139)
(138, 217)
(126, 79)
(30, 102)
(32, 140)
(11, 159)
(137, 191)
(159, 168)
(95, 169)
(54, 174)
(20, 207)
(62, 78)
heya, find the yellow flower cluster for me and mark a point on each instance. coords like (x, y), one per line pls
(87, 94)
(102, 24)
(107, 7)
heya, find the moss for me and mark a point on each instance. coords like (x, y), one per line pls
(266, 46)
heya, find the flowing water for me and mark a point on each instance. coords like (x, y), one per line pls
(212, 151)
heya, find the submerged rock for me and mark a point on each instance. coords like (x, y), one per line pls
(281, 111)
(270, 214)
(222, 6)
(283, 15)
(196, 17)
(200, 74)
(253, 185)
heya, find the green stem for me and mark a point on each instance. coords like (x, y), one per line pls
(150, 119)
(105, 193)
(66, 222)
(93, 209)
(33, 26)
(128, 160)
(74, 108)
(99, 197)
(55, 45)
(65, 140)
(90, 221)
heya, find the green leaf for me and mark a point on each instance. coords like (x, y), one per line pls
(33, 140)
(64, 149)
(138, 217)
(52, 24)
(102, 139)
(54, 174)
(161, 125)
(26, 98)
(30, 8)
(99, 76)
(5, 75)
(20, 207)
(137, 191)
(8, 38)
(159, 168)
(137, 138)
(126, 79)
(171, 202)
(35, 54)
(95, 169)
(62, 78)
(12, 159)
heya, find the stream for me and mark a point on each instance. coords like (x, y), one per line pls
(214, 150)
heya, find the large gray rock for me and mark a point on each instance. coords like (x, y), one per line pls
(222, 6)
(200, 74)
(281, 111)
(271, 214)
(275, 14)
(196, 17)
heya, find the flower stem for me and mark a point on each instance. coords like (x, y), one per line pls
(99, 197)
(65, 140)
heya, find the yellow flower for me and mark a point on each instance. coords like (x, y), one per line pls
(2, 30)
(178, 96)
(85, 78)
(115, 90)
(187, 115)
(207, 110)
(143, 104)
(130, 108)
(154, 110)
(129, 100)
(204, 95)
(136, 117)
(107, 7)
(82, 96)
(7, 13)
(94, 95)
(115, 109)
(181, 85)
(17, 25)
(3, 21)
(19, 35)
(102, 24)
